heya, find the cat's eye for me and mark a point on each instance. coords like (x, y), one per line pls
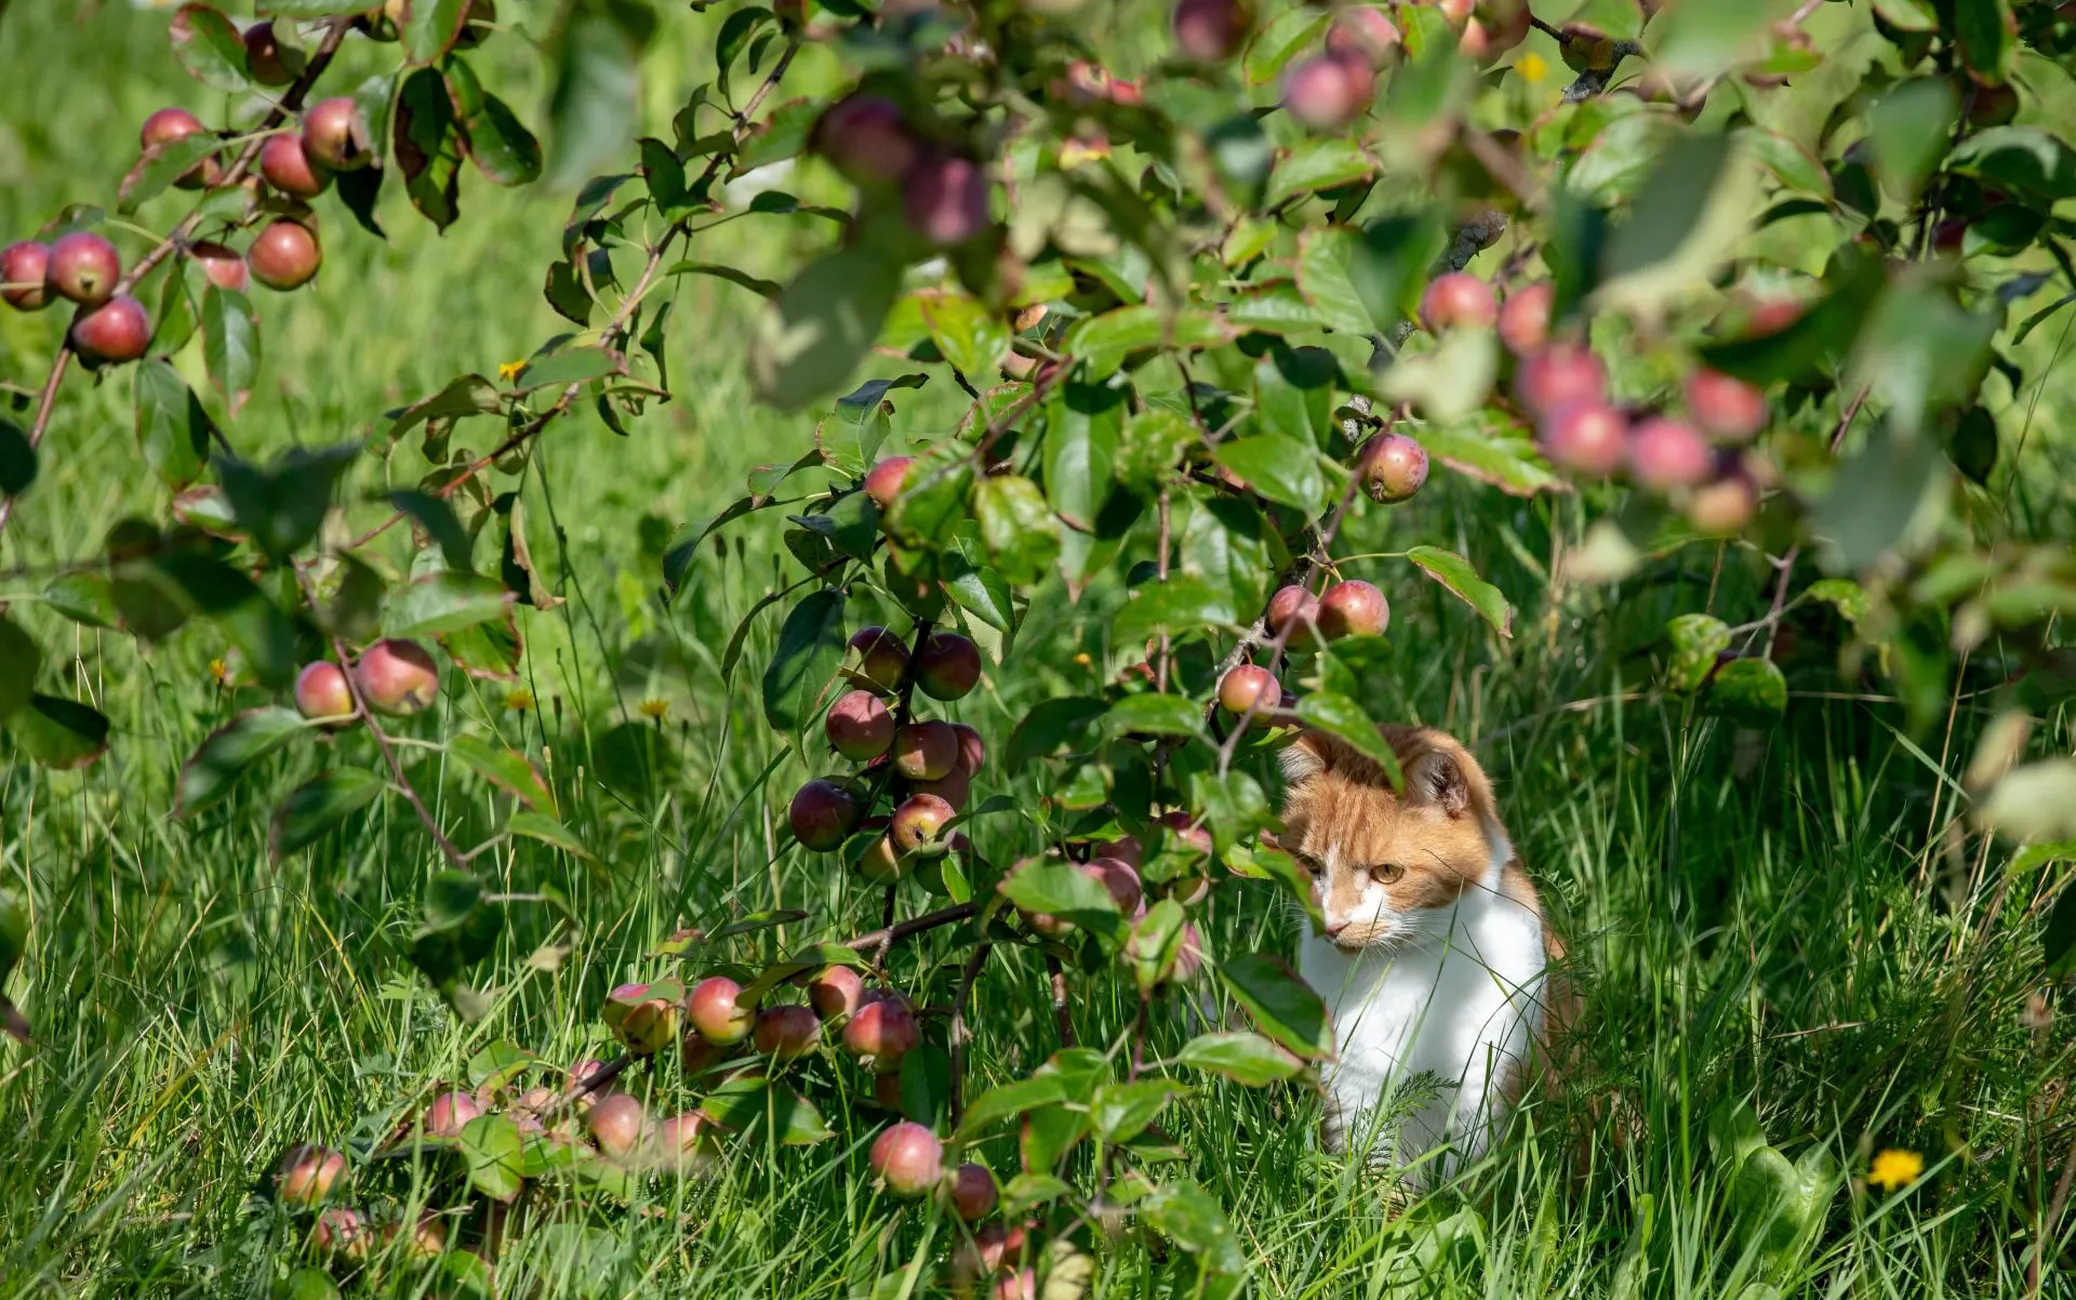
(1309, 864)
(1387, 873)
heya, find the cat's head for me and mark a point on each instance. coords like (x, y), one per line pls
(1386, 868)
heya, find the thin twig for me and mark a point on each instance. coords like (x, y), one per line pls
(913, 926)
(396, 769)
(960, 1035)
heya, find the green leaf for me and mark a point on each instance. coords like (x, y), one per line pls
(1154, 715)
(1080, 446)
(1909, 129)
(739, 1104)
(1747, 692)
(1274, 308)
(971, 337)
(430, 27)
(1050, 726)
(230, 344)
(1908, 15)
(1016, 1098)
(87, 598)
(489, 650)
(1697, 639)
(282, 507)
(253, 622)
(592, 110)
(20, 658)
(1337, 714)
(756, 284)
(161, 166)
(436, 517)
(582, 365)
(507, 769)
(2035, 802)
(492, 1148)
(1019, 531)
(1795, 167)
(1317, 163)
(2058, 936)
(1278, 42)
(172, 428)
(1057, 888)
(443, 602)
(1245, 1058)
(209, 47)
(1669, 204)
(2029, 159)
(808, 341)
(463, 396)
(1121, 1111)
(58, 733)
(1462, 580)
(1987, 35)
(1233, 804)
(495, 139)
(1359, 280)
(1294, 394)
(1156, 942)
(1195, 1221)
(17, 459)
(540, 826)
(975, 587)
(1701, 41)
(1822, 335)
(318, 805)
(1280, 469)
(810, 649)
(223, 757)
(1281, 1004)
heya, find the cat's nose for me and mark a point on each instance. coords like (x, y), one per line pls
(1334, 928)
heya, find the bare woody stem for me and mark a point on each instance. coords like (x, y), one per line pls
(453, 855)
(913, 926)
(47, 400)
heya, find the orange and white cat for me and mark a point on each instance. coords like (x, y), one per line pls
(1433, 954)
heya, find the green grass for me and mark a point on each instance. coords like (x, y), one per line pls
(1794, 921)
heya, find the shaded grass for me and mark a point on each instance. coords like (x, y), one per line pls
(1781, 920)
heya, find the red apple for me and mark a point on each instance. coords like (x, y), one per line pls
(918, 821)
(1561, 375)
(859, 726)
(880, 1032)
(835, 991)
(1327, 92)
(1458, 298)
(84, 267)
(712, 1009)
(1126, 849)
(1524, 319)
(225, 269)
(1725, 407)
(1667, 454)
(1362, 32)
(882, 863)
(1210, 31)
(883, 484)
(397, 677)
(822, 814)
(1724, 506)
(945, 199)
(909, 1158)
(1585, 437)
(786, 1032)
(286, 167)
(25, 270)
(449, 1113)
(685, 1141)
(1120, 879)
(170, 124)
(270, 62)
(334, 135)
(1293, 613)
(1353, 608)
(925, 751)
(1393, 468)
(971, 1190)
(285, 255)
(882, 658)
(305, 1175)
(865, 138)
(954, 788)
(947, 667)
(343, 1232)
(1248, 687)
(117, 330)
(618, 1124)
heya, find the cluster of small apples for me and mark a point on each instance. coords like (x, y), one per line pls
(943, 189)
(83, 267)
(1695, 461)
(307, 1178)
(876, 1027)
(1303, 623)
(1329, 89)
(395, 676)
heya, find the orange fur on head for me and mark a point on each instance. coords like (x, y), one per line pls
(1424, 847)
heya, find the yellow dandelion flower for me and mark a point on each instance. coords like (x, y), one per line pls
(1895, 1169)
(510, 370)
(221, 671)
(1083, 659)
(519, 701)
(655, 709)
(1533, 68)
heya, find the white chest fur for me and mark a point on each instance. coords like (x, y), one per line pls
(1461, 1002)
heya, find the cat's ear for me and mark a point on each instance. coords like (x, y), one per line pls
(1438, 779)
(1303, 758)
